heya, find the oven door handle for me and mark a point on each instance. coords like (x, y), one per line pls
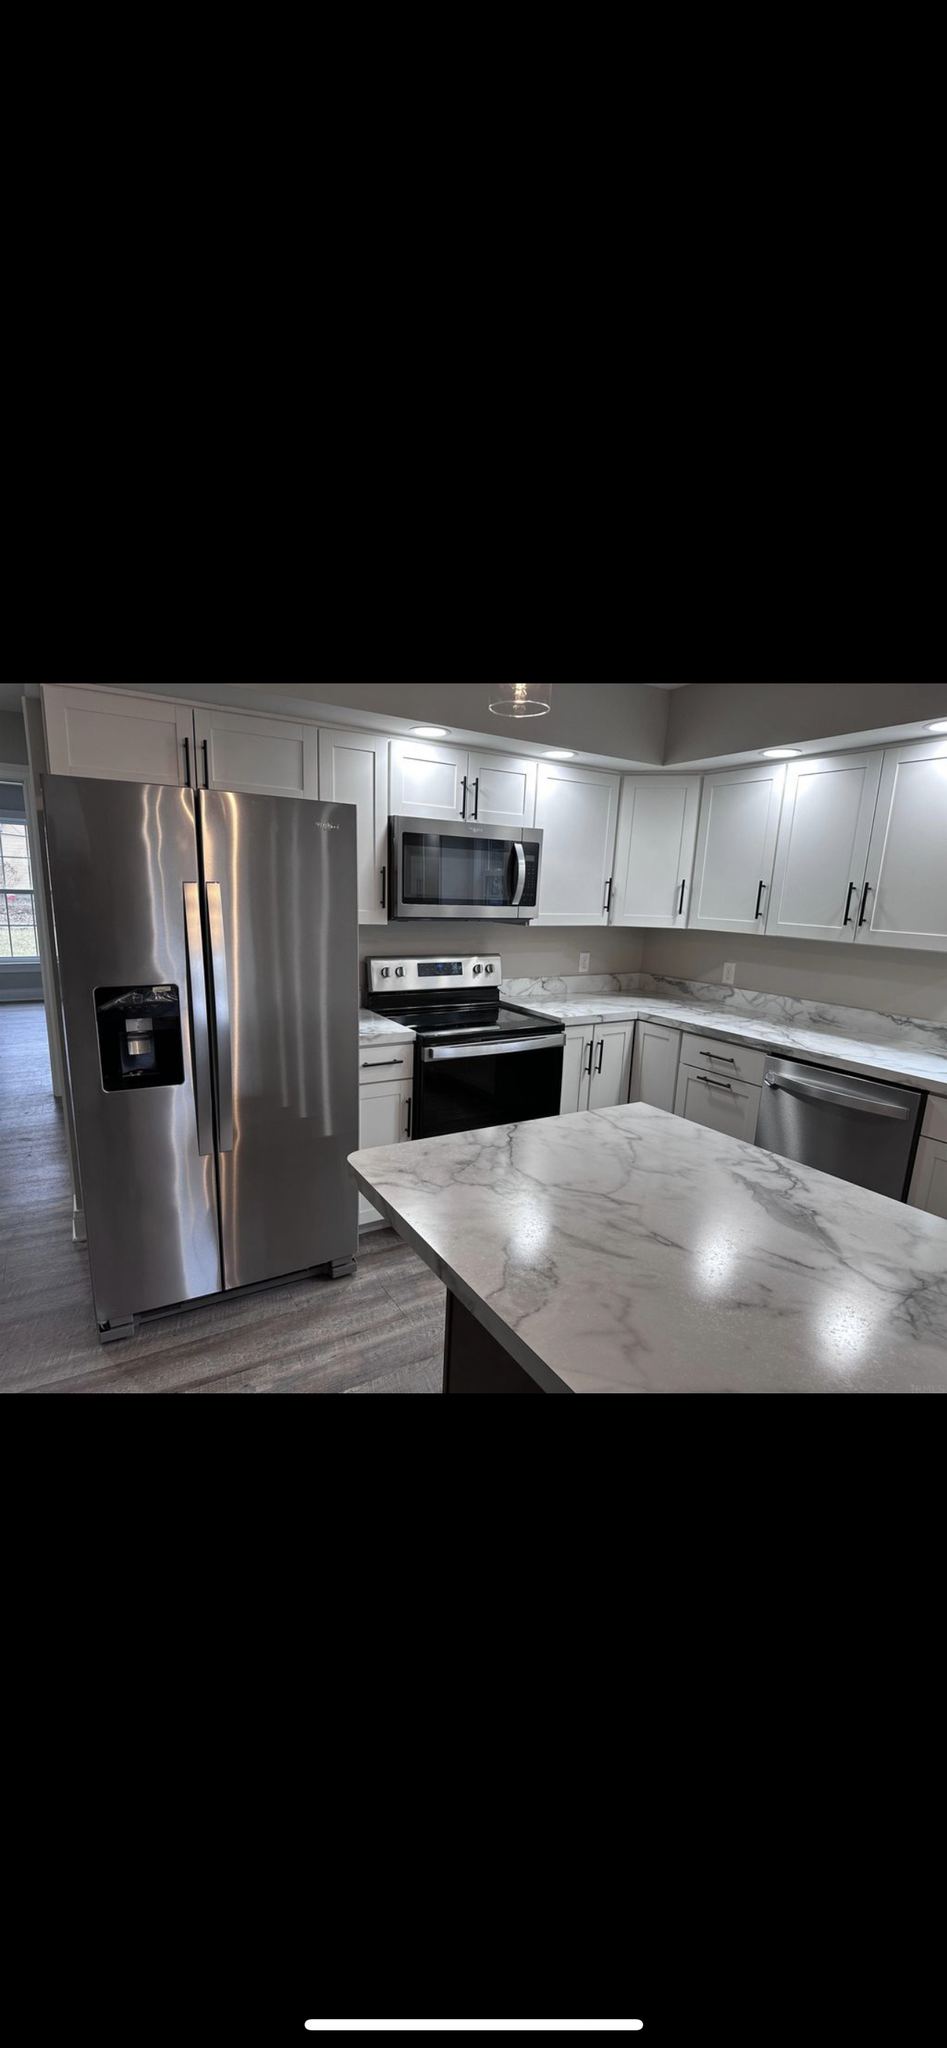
(519, 855)
(549, 1041)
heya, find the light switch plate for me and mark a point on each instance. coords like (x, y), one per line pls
(730, 973)
(584, 962)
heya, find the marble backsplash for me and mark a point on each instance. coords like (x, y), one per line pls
(879, 1026)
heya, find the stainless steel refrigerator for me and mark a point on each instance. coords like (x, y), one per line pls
(208, 951)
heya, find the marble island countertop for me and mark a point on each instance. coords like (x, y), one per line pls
(897, 1059)
(626, 1251)
(375, 1030)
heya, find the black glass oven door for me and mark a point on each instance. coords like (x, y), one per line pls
(470, 1088)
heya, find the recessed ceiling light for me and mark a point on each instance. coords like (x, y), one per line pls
(780, 753)
(430, 732)
(560, 753)
(937, 725)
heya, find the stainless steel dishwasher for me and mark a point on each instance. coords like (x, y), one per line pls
(862, 1131)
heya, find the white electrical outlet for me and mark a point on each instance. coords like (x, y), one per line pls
(730, 973)
(584, 962)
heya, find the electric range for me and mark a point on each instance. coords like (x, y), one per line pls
(477, 1060)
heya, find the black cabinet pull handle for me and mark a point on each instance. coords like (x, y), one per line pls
(463, 808)
(206, 767)
(723, 1057)
(384, 888)
(476, 799)
(378, 1064)
(407, 1128)
(852, 891)
(864, 905)
(187, 764)
(680, 907)
(759, 900)
(608, 895)
(601, 1055)
(708, 1083)
(588, 1070)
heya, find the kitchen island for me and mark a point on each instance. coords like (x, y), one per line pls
(627, 1251)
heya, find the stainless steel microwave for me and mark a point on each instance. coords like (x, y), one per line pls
(468, 872)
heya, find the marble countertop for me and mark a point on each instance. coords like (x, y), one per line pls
(375, 1030)
(906, 1063)
(626, 1251)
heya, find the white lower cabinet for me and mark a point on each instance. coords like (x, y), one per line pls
(596, 1071)
(731, 1107)
(929, 1186)
(384, 1107)
(654, 1066)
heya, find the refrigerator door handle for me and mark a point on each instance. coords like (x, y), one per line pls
(221, 988)
(200, 1036)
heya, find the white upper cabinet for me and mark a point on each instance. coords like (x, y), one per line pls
(259, 756)
(905, 896)
(577, 810)
(353, 769)
(657, 840)
(501, 790)
(736, 848)
(822, 852)
(428, 780)
(118, 738)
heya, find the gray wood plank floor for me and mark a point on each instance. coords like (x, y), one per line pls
(381, 1332)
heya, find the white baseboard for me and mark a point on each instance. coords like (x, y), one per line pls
(78, 1223)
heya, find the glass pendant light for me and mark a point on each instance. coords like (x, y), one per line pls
(520, 700)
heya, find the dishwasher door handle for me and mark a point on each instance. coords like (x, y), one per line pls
(808, 1091)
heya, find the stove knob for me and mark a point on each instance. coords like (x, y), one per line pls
(385, 972)
(400, 973)
(478, 970)
(490, 970)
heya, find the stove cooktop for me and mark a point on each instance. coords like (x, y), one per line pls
(468, 1021)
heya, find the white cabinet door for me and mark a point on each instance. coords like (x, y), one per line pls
(384, 1118)
(259, 756)
(657, 840)
(736, 848)
(732, 1107)
(655, 1064)
(577, 810)
(501, 790)
(428, 780)
(822, 851)
(353, 769)
(906, 903)
(929, 1186)
(120, 738)
(575, 1069)
(611, 1065)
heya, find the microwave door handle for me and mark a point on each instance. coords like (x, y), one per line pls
(221, 989)
(519, 855)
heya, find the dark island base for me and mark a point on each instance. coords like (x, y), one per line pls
(474, 1363)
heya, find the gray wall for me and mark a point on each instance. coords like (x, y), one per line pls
(12, 737)
(709, 719)
(17, 984)
(525, 953)
(864, 977)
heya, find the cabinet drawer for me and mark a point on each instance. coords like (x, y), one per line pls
(731, 1107)
(390, 1062)
(935, 1122)
(718, 1056)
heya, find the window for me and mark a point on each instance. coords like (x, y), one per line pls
(17, 906)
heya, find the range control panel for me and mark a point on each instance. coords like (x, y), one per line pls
(477, 970)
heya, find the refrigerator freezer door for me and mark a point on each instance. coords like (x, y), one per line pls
(282, 919)
(122, 856)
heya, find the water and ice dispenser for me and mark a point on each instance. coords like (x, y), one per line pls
(140, 1043)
